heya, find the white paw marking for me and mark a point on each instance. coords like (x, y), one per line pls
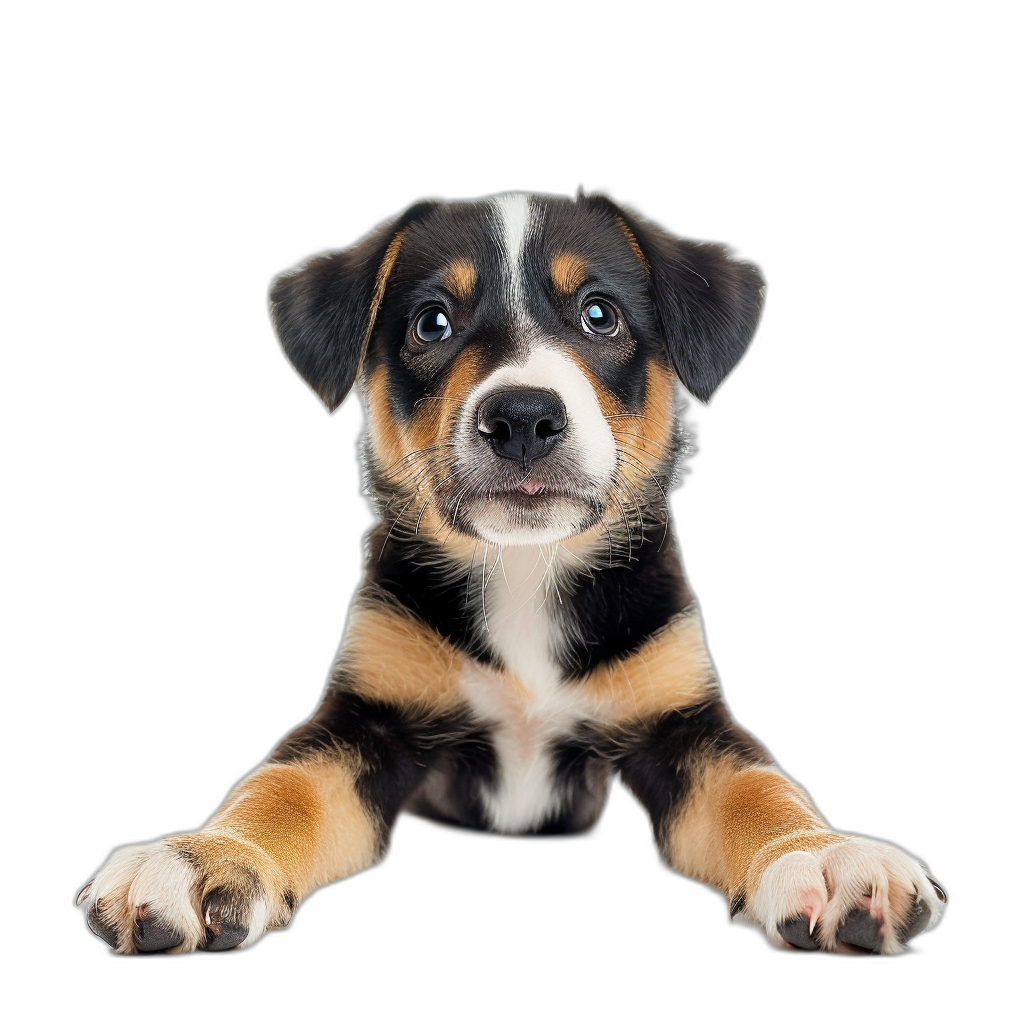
(153, 877)
(826, 885)
(792, 886)
(156, 882)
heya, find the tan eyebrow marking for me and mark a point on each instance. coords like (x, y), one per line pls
(633, 244)
(568, 272)
(383, 273)
(459, 277)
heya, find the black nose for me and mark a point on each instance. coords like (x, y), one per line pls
(521, 424)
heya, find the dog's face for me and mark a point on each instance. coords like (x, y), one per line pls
(518, 359)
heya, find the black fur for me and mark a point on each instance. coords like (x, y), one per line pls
(661, 761)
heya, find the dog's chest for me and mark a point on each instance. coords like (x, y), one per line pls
(527, 705)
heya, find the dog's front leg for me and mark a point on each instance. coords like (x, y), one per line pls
(724, 814)
(282, 831)
(321, 808)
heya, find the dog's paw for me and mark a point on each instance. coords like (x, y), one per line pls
(200, 891)
(854, 895)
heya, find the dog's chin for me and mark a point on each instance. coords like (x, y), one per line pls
(519, 519)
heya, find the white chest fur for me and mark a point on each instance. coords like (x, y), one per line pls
(527, 706)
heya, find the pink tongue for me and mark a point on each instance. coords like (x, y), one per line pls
(531, 487)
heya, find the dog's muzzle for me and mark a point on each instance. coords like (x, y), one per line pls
(521, 424)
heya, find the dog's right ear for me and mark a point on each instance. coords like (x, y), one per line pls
(325, 309)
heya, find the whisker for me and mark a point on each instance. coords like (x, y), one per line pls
(514, 611)
(664, 497)
(419, 453)
(637, 416)
(644, 467)
(438, 398)
(643, 437)
(398, 519)
(497, 562)
(586, 565)
(625, 524)
(433, 491)
(458, 502)
(483, 591)
(469, 574)
(554, 576)
(636, 505)
(543, 580)
(508, 586)
(608, 534)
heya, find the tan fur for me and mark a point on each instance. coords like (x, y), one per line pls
(431, 524)
(305, 816)
(656, 426)
(739, 820)
(645, 439)
(397, 659)
(458, 547)
(633, 244)
(459, 277)
(436, 415)
(385, 435)
(568, 272)
(380, 285)
(464, 376)
(415, 457)
(348, 836)
(671, 670)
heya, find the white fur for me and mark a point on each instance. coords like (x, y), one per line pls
(259, 916)
(514, 212)
(527, 718)
(159, 878)
(155, 877)
(793, 885)
(849, 869)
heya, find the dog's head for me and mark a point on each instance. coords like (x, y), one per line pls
(518, 359)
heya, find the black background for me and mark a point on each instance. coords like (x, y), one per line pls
(211, 524)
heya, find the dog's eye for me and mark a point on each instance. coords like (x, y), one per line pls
(432, 325)
(599, 317)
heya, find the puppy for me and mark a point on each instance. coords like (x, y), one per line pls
(524, 629)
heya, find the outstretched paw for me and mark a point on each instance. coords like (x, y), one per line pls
(854, 895)
(200, 891)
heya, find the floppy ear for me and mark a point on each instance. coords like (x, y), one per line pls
(324, 310)
(708, 304)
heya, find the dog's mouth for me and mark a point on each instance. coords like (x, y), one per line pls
(530, 490)
(533, 488)
(523, 510)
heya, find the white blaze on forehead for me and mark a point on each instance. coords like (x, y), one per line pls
(515, 216)
(588, 436)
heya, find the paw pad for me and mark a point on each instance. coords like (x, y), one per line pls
(224, 927)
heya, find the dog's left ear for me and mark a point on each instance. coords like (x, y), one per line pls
(324, 310)
(708, 304)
